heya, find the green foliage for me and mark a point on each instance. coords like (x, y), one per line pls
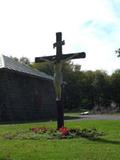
(118, 52)
(15, 58)
(48, 133)
(43, 67)
(84, 89)
(23, 60)
(101, 88)
(115, 83)
(48, 68)
(87, 89)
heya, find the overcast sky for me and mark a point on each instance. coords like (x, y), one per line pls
(28, 27)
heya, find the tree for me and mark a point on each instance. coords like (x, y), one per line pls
(115, 83)
(82, 89)
(118, 51)
(88, 100)
(73, 89)
(24, 60)
(43, 67)
(15, 58)
(102, 91)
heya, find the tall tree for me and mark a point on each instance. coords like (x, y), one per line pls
(24, 60)
(115, 80)
(102, 92)
(15, 58)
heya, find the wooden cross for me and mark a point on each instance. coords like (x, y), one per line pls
(58, 60)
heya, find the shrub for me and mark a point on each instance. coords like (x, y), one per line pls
(62, 133)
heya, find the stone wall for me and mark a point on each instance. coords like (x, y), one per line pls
(24, 97)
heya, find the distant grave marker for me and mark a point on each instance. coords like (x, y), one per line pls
(58, 60)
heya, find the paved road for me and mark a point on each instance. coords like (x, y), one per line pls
(95, 117)
(100, 117)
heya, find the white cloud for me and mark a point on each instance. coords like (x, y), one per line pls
(27, 28)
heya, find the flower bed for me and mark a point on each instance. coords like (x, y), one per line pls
(48, 133)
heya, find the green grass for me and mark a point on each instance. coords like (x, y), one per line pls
(72, 115)
(107, 148)
(76, 114)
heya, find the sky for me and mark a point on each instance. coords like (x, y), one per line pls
(28, 28)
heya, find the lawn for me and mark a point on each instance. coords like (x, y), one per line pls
(107, 148)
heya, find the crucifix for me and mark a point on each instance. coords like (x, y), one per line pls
(58, 61)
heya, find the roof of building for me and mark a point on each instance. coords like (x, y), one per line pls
(11, 64)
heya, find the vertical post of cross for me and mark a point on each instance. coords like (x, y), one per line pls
(59, 103)
(59, 44)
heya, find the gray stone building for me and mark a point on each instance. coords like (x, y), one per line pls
(25, 93)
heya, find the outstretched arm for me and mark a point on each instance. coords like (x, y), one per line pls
(43, 59)
(70, 56)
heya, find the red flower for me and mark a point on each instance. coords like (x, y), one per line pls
(64, 131)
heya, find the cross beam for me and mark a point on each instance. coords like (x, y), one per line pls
(59, 56)
(62, 57)
(58, 60)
